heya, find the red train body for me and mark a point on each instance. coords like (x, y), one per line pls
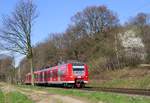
(73, 74)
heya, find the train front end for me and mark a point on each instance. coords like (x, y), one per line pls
(80, 73)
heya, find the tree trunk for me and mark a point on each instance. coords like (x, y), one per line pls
(19, 76)
(31, 70)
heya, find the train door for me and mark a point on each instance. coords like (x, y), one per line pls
(41, 77)
(51, 75)
(58, 76)
(45, 76)
(69, 73)
(55, 75)
(48, 76)
(63, 70)
(35, 77)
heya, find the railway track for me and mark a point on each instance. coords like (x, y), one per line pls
(131, 91)
(144, 92)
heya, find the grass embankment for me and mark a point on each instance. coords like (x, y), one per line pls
(125, 78)
(2, 97)
(143, 83)
(94, 97)
(13, 97)
(16, 97)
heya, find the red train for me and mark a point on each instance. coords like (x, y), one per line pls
(69, 74)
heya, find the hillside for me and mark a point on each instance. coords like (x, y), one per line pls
(131, 77)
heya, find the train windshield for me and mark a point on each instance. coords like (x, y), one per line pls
(78, 70)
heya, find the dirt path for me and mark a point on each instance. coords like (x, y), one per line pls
(6, 88)
(39, 96)
(44, 97)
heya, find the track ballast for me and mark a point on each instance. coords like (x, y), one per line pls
(144, 92)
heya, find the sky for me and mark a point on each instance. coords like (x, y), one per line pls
(54, 15)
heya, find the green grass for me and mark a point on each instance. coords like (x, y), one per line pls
(94, 97)
(2, 97)
(16, 97)
(142, 83)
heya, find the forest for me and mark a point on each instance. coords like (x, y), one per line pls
(94, 36)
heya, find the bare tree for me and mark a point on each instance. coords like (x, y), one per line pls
(7, 68)
(17, 29)
(95, 19)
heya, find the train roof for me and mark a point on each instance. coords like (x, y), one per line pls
(48, 68)
(45, 69)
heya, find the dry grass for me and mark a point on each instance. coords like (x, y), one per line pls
(127, 78)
